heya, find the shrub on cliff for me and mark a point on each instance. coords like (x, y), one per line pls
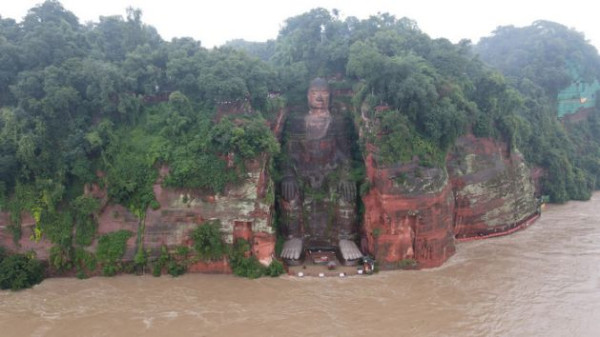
(84, 209)
(275, 269)
(85, 262)
(60, 257)
(175, 263)
(19, 271)
(243, 265)
(208, 241)
(248, 267)
(111, 247)
(161, 261)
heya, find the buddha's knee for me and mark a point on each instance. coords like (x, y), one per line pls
(291, 207)
(289, 189)
(290, 220)
(347, 191)
(346, 220)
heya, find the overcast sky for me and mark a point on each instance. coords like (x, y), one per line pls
(217, 21)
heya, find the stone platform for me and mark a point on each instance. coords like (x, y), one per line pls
(317, 264)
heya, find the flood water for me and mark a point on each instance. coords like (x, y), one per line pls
(543, 281)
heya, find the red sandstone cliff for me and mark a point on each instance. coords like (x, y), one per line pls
(414, 212)
(408, 214)
(243, 211)
(493, 189)
(26, 243)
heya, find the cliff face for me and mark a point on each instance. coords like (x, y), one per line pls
(415, 213)
(412, 213)
(408, 214)
(493, 189)
(242, 210)
(245, 210)
(26, 242)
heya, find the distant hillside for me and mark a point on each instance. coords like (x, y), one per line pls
(556, 72)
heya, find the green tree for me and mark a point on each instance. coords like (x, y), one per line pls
(208, 241)
(19, 271)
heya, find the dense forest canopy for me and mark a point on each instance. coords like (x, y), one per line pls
(110, 103)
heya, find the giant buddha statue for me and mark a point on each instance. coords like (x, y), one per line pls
(318, 200)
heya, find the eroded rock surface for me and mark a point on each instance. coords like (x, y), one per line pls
(242, 211)
(493, 189)
(408, 214)
(415, 213)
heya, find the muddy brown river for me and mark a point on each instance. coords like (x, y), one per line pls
(543, 281)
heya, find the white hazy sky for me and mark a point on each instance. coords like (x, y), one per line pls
(217, 21)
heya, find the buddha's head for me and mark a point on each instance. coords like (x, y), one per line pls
(318, 94)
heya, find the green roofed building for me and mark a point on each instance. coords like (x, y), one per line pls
(579, 95)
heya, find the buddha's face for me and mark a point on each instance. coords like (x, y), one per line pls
(318, 98)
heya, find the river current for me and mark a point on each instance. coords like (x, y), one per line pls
(543, 281)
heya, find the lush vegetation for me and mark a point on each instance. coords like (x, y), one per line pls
(208, 242)
(111, 247)
(106, 105)
(535, 61)
(416, 94)
(245, 265)
(18, 271)
(209, 246)
(175, 263)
